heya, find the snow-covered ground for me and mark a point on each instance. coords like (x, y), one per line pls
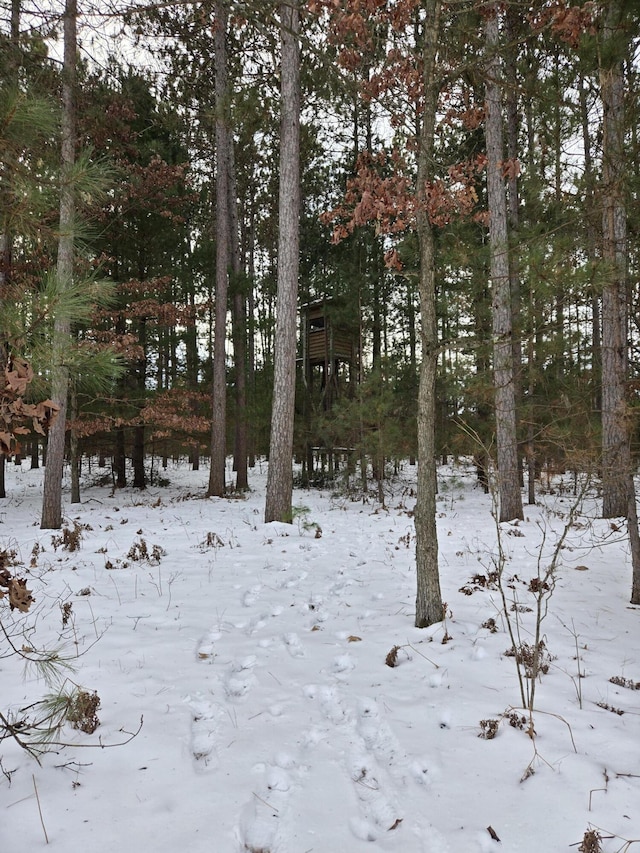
(256, 655)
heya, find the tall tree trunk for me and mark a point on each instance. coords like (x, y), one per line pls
(505, 397)
(512, 19)
(251, 361)
(615, 438)
(219, 414)
(280, 474)
(413, 343)
(618, 487)
(6, 239)
(140, 380)
(428, 595)
(191, 354)
(593, 242)
(239, 333)
(120, 458)
(73, 447)
(52, 495)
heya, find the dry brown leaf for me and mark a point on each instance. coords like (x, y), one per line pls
(392, 657)
(493, 833)
(353, 639)
(20, 597)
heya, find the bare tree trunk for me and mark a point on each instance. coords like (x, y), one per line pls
(512, 18)
(634, 540)
(592, 243)
(140, 380)
(505, 397)
(6, 239)
(119, 459)
(280, 474)
(428, 595)
(616, 460)
(219, 415)
(618, 489)
(73, 448)
(251, 354)
(239, 334)
(52, 495)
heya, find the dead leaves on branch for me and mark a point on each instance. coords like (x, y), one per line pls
(382, 194)
(16, 416)
(15, 589)
(568, 22)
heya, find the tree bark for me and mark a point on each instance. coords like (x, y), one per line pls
(428, 595)
(74, 455)
(239, 334)
(6, 239)
(616, 462)
(280, 474)
(618, 488)
(140, 380)
(119, 459)
(52, 493)
(504, 384)
(593, 241)
(219, 410)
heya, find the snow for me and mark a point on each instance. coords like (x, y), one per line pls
(255, 654)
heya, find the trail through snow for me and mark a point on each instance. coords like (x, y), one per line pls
(256, 654)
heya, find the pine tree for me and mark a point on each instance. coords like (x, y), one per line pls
(223, 258)
(428, 596)
(503, 371)
(280, 474)
(52, 496)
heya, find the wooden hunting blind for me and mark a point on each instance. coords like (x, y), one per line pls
(330, 348)
(331, 369)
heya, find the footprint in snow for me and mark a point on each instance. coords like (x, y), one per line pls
(205, 721)
(256, 623)
(342, 665)
(240, 678)
(289, 583)
(332, 707)
(251, 595)
(262, 817)
(378, 814)
(339, 587)
(380, 741)
(293, 645)
(206, 648)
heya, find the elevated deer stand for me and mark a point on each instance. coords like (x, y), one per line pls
(330, 357)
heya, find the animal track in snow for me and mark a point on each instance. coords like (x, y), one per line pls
(341, 665)
(206, 649)
(251, 595)
(240, 678)
(380, 740)
(205, 720)
(377, 813)
(262, 816)
(332, 707)
(257, 622)
(293, 644)
(289, 583)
